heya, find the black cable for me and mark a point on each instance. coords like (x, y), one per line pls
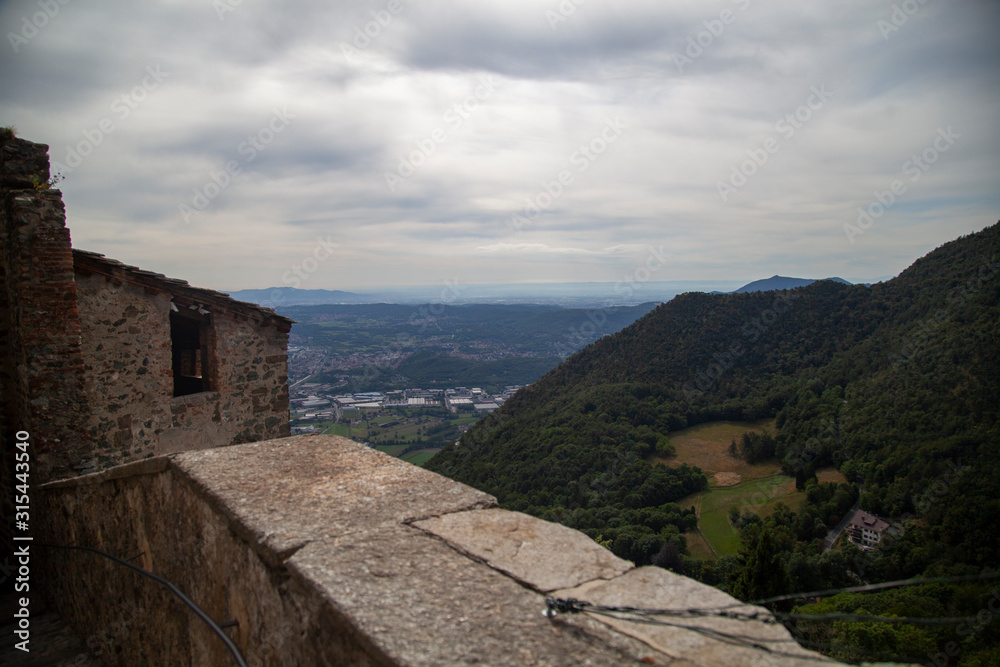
(554, 606)
(575, 606)
(861, 618)
(571, 605)
(746, 641)
(871, 587)
(559, 605)
(237, 656)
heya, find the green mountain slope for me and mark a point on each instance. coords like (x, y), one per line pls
(897, 384)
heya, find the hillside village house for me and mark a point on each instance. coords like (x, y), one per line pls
(866, 530)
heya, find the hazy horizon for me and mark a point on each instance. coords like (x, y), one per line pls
(571, 295)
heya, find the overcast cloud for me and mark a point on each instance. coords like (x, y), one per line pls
(231, 143)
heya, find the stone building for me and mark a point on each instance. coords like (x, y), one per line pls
(104, 363)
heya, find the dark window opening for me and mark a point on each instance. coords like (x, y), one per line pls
(189, 344)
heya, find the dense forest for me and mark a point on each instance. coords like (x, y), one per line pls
(896, 384)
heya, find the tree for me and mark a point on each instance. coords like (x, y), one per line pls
(803, 474)
(734, 515)
(763, 573)
(669, 557)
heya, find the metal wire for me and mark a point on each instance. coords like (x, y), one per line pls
(647, 617)
(873, 587)
(844, 616)
(237, 656)
(555, 606)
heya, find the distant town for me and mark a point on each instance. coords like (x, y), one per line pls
(412, 424)
(317, 402)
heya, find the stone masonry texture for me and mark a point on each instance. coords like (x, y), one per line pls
(325, 552)
(86, 357)
(41, 364)
(129, 381)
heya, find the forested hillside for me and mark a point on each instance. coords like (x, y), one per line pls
(897, 385)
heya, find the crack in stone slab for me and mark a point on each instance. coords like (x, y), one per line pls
(484, 504)
(522, 547)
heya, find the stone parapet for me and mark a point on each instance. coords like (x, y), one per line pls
(324, 551)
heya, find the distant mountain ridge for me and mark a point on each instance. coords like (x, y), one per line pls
(781, 282)
(570, 295)
(274, 297)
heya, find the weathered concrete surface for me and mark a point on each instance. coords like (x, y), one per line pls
(543, 555)
(293, 491)
(423, 603)
(656, 588)
(326, 552)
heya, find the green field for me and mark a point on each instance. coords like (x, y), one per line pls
(707, 446)
(732, 482)
(355, 433)
(381, 429)
(421, 456)
(759, 496)
(698, 545)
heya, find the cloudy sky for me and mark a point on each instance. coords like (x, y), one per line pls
(350, 145)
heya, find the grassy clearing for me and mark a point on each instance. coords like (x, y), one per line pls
(421, 456)
(759, 496)
(347, 431)
(391, 428)
(698, 546)
(830, 475)
(707, 446)
(391, 450)
(380, 429)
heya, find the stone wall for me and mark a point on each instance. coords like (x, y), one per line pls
(85, 347)
(129, 381)
(48, 327)
(40, 359)
(316, 550)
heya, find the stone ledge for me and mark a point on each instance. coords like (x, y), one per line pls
(546, 556)
(420, 602)
(702, 640)
(393, 563)
(292, 491)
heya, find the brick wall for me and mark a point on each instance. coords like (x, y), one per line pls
(42, 368)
